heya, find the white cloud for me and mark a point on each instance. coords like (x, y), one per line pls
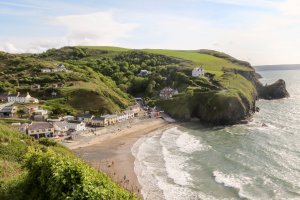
(263, 38)
(257, 3)
(10, 48)
(100, 28)
(290, 8)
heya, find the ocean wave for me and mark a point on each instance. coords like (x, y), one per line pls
(160, 170)
(234, 181)
(188, 143)
(175, 161)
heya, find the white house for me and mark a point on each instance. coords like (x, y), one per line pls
(40, 129)
(60, 128)
(62, 67)
(167, 93)
(35, 86)
(40, 115)
(87, 118)
(22, 98)
(122, 117)
(129, 114)
(8, 111)
(144, 72)
(76, 126)
(46, 70)
(198, 72)
(69, 118)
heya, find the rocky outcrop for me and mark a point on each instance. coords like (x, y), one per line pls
(224, 109)
(276, 90)
(227, 106)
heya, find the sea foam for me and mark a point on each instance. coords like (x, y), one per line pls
(233, 180)
(188, 143)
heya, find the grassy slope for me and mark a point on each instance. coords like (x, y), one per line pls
(237, 89)
(25, 162)
(106, 96)
(210, 63)
(106, 48)
(234, 83)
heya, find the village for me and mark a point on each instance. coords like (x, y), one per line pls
(37, 123)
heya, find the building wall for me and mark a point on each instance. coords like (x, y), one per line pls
(100, 122)
(41, 132)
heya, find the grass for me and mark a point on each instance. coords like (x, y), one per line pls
(38, 170)
(106, 48)
(210, 63)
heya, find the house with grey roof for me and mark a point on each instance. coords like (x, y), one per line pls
(60, 128)
(8, 111)
(87, 118)
(40, 129)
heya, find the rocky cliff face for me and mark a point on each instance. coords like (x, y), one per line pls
(224, 110)
(276, 90)
(224, 107)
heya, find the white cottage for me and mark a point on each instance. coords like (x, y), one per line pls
(76, 126)
(121, 117)
(198, 72)
(167, 93)
(22, 98)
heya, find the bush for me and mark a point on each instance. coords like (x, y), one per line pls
(53, 176)
(47, 142)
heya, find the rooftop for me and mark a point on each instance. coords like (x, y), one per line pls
(7, 109)
(39, 125)
(109, 116)
(98, 118)
(61, 124)
(85, 116)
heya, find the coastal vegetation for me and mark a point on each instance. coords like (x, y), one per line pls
(46, 170)
(103, 80)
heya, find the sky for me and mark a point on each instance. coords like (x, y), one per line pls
(259, 31)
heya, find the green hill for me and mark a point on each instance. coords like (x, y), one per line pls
(19, 72)
(45, 170)
(104, 79)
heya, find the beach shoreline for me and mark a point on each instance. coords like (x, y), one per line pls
(111, 152)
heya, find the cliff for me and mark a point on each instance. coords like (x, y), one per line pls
(104, 79)
(235, 102)
(276, 90)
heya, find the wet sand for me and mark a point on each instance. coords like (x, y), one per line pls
(111, 153)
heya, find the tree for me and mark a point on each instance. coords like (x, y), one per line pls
(21, 112)
(150, 87)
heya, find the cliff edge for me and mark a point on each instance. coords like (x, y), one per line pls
(276, 90)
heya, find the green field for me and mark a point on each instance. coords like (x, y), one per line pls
(106, 48)
(210, 63)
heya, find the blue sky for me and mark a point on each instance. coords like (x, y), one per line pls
(259, 31)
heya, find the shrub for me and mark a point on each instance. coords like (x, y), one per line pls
(53, 176)
(47, 142)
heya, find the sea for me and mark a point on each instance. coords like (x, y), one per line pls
(258, 160)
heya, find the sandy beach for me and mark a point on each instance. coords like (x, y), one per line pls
(110, 150)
